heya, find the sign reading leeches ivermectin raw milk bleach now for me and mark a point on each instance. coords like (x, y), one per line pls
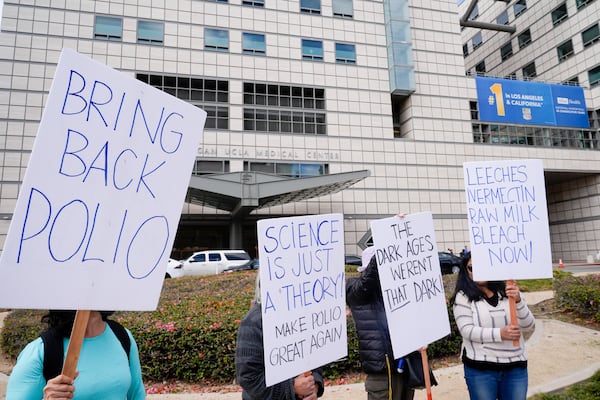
(101, 199)
(303, 293)
(508, 219)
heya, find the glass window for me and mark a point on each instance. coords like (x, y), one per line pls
(506, 51)
(590, 35)
(502, 19)
(214, 257)
(519, 7)
(310, 6)
(594, 75)
(345, 53)
(343, 8)
(216, 39)
(559, 14)
(529, 71)
(524, 38)
(475, 13)
(465, 49)
(203, 93)
(108, 28)
(565, 50)
(574, 81)
(512, 75)
(150, 32)
(480, 68)
(253, 43)
(312, 50)
(477, 40)
(254, 3)
(582, 3)
(202, 167)
(200, 258)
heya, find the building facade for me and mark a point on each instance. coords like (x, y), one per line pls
(312, 88)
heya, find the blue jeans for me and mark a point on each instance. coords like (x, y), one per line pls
(497, 385)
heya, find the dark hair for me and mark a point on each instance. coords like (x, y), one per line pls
(62, 320)
(465, 284)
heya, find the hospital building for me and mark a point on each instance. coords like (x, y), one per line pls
(367, 108)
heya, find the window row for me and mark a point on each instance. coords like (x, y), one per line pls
(519, 7)
(111, 28)
(535, 135)
(292, 170)
(254, 43)
(284, 121)
(564, 51)
(341, 8)
(152, 32)
(528, 71)
(558, 15)
(284, 96)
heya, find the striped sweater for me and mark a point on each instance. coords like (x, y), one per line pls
(479, 324)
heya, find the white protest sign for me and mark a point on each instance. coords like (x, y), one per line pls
(411, 281)
(508, 220)
(303, 293)
(101, 198)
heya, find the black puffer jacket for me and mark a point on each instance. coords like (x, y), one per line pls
(363, 295)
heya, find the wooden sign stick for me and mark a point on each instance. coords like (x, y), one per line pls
(513, 313)
(77, 334)
(426, 373)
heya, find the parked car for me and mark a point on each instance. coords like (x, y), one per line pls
(250, 265)
(352, 260)
(174, 269)
(213, 262)
(449, 263)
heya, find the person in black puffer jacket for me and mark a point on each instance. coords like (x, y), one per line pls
(363, 295)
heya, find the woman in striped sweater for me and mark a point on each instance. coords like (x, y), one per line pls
(495, 368)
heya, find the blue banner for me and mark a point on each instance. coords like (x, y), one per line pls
(533, 103)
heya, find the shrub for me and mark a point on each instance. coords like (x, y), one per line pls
(191, 335)
(579, 294)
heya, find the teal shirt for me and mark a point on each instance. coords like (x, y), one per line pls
(104, 372)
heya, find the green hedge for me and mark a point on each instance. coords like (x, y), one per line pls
(579, 294)
(191, 336)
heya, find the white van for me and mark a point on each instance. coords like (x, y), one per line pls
(212, 262)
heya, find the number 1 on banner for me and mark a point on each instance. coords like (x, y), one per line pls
(496, 89)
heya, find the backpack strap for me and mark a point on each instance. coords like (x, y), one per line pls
(121, 334)
(54, 352)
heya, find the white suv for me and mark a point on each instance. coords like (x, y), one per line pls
(212, 262)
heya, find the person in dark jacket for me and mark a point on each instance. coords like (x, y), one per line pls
(363, 295)
(250, 364)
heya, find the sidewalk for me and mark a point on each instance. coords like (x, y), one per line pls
(560, 354)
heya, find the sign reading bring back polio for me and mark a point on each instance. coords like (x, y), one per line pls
(101, 199)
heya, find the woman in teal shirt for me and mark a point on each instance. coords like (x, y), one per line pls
(104, 370)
